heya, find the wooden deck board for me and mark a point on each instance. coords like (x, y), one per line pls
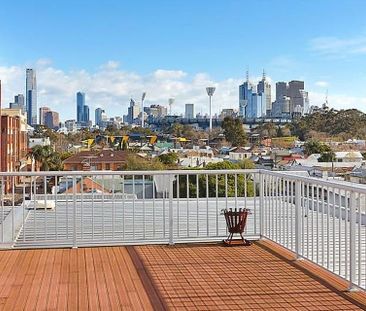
(182, 277)
(45, 284)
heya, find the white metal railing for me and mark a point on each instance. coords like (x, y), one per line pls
(321, 220)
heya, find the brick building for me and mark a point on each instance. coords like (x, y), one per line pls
(13, 141)
(109, 160)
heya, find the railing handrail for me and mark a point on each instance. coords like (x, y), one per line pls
(294, 176)
(128, 173)
(348, 186)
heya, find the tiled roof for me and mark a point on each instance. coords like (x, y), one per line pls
(98, 157)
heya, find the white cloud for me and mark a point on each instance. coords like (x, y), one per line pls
(111, 87)
(322, 83)
(169, 74)
(339, 47)
(338, 101)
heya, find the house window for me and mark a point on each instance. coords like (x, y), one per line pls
(107, 166)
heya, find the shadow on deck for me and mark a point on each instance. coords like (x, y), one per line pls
(187, 276)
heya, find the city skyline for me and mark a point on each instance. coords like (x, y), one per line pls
(324, 56)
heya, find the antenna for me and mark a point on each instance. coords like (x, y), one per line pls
(264, 75)
(247, 74)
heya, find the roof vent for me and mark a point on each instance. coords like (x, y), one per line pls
(101, 155)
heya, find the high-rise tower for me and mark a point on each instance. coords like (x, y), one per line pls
(80, 103)
(264, 89)
(31, 96)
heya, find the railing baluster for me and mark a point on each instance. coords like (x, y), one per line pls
(143, 207)
(123, 208)
(207, 195)
(187, 184)
(102, 207)
(34, 208)
(334, 230)
(134, 206)
(12, 178)
(328, 230)
(340, 230)
(217, 203)
(178, 205)
(298, 248)
(56, 208)
(82, 208)
(24, 205)
(347, 214)
(197, 197)
(74, 233)
(153, 194)
(352, 240)
(113, 208)
(171, 215)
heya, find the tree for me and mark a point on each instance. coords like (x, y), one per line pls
(243, 185)
(137, 163)
(315, 146)
(234, 131)
(47, 158)
(170, 158)
(327, 157)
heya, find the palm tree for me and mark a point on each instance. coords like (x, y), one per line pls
(46, 158)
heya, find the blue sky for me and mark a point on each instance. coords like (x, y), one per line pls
(116, 49)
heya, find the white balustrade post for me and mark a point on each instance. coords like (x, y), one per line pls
(171, 222)
(261, 204)
(352, 240)
(74, 244)
(298, 248)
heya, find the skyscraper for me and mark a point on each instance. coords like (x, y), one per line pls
(18, 103)
(296, 97)
(253, 104)
(31, 96)
(281, 90)
(98, 116)
(80, 103)
(189, 112)
(264, 89)
(86, 117)
(52, 119)
(42, 115)
(133, 111)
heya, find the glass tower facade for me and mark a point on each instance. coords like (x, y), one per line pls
(31, 96)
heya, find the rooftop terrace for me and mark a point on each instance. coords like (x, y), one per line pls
(181, 277)
(309, 248)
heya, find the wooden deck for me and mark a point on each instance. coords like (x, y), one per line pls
(182, 277)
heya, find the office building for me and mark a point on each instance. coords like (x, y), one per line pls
(296, 97)
(98, 116)
(189, 111)
(31, 96)
(18, 103)
(86, 117)
(80, 103)
(71, 125)
(133, 112)
(254, 104)
(42, 114)
(264, 89)
(52, 119)
(281, 90)
(156, 111)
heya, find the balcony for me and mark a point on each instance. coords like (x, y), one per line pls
(309, 234)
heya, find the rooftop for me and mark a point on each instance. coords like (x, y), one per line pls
(180, 277)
